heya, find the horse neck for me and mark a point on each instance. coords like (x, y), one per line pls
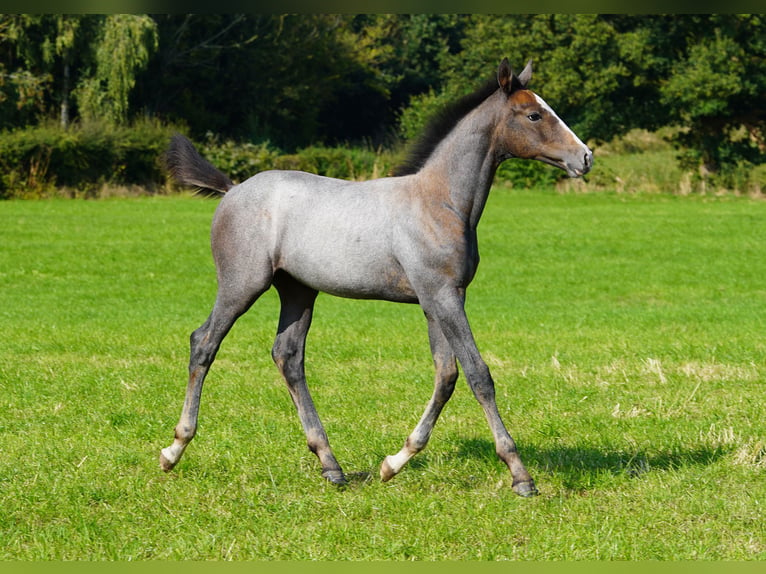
(465, 162)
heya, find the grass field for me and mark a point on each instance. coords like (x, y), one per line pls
(625, 333)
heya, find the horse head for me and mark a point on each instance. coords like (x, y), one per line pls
(532, 130)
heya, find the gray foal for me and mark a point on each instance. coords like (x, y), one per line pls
(410, 238)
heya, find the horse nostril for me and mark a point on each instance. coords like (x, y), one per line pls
(588, 159)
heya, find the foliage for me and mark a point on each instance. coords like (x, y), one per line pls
(717, 90)
(403, 55)
(581, 68)
(33, 162)
(341, 162)
(640, 161)
(123, 48)
(90, 57)
(241, 161)
(332, 80)
(608, 74)
(526, 174)
(25, 71)
(250, 77)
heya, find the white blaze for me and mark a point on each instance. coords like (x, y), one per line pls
(548, 109)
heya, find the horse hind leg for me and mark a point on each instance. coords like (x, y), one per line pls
(205, 342)
(444, 385)
(288, 353)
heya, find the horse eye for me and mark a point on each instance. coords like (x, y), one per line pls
(535, 117)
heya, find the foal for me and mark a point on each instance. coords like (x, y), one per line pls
(410, 238)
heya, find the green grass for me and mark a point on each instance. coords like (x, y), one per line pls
(625, 333)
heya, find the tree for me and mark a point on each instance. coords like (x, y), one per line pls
(254, 76)
(294, 79)
(397, 56)
(606, 74)
(67, 27)
(124, 45)
(58, 58)
(717, 92)
(588, 69)
(40, 49)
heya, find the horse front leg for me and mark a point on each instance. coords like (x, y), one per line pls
(448, 307)
(444, 385)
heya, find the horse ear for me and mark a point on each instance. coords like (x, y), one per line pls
(526, 75)
(505, 76)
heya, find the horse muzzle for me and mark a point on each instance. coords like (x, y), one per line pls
(581, 165)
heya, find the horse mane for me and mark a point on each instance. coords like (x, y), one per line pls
(439, 126)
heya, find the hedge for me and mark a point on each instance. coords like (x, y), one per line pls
(37, 161)
(86, 159)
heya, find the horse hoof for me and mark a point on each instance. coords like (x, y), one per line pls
(525, 489)
(165, 464)
(335, 477)
(386, 472)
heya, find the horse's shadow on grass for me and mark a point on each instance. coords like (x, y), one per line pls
(578, 468)
(583, 467)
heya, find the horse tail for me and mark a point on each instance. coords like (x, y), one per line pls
(188, 167)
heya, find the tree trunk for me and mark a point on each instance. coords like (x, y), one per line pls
(65, 97)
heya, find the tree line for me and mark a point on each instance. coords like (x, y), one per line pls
(296, 80)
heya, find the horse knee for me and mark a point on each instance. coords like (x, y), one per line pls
(286, 357)
(446, 377)
(280, 355)
(196, 338)
(483, 386)
(449, 374)
(202, 349)
(444, 391)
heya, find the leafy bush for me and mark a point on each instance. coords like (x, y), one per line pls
(243, 160)
(421, 109)
(239, 160)
(90, 160)
(34, 162)
(345, 162)
(40, 161)
(639, 141)
(528, 174)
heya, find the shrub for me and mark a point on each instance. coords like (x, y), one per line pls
(35, 161)
(243, 160)
(344, 162)
(40, 161)
(239, 160)
(527, 174)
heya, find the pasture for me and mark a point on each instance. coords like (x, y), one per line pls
(626, 334)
